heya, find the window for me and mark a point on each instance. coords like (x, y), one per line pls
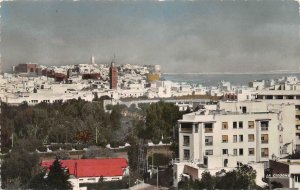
(186, 141)
(251, 151)
(264, 125)
(208, 127)
(225, 162)
(234, 138)
(234, 124)
(186, 154)
(224, 138)
(235, 152)
(251, 138)
(224, 125)
(208, 141)
(196, 128)
(251, 124)
(209, 152)
(240, 124)
(264, 138)
(224, 151)
(205, 161)
(244, 109)
(264, 152)
(241, 138)
(241, 152)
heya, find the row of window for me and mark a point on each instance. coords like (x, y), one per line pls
(208, 127)
(239, 125)
(240, 152)
(236, 138)
(264, 152)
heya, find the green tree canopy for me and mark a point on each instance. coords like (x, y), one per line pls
(58, 177)
(18, 166)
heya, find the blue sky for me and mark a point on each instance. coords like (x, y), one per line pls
(181, 36)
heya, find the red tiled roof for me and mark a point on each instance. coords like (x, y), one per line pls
(107, 167)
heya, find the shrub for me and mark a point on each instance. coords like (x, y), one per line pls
(54, 147)
(42, 149)
(67, 147)
(80, 146)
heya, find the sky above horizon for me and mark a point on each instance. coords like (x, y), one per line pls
(181, 36)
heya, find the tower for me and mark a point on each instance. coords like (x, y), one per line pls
(92, 60)
(113, 76)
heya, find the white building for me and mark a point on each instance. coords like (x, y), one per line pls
(245, 132)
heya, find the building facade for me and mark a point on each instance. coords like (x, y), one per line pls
(284, 94)
(249, 131)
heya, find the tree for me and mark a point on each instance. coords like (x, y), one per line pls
(18, 168)
(207, 181)
(38, 181)
(161, 117)
(133, 156)
(242, 178)
(58, 176)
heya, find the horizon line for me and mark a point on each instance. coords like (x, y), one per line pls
(233, 73)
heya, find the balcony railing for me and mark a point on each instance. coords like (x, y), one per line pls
(186, 144)
(208, 130)
(264, 155)
(264, 128)
(264, 141)
(208, 143)
(186, 130)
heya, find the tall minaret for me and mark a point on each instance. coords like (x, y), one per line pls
(92, 60)
(113, 75)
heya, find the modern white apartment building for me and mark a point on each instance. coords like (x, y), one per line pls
(245, 130)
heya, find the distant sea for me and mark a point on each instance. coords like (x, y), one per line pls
(234, 79)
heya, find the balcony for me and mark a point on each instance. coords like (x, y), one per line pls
(208, 143)
(297, 112)
(186, 130)
(297, 122)
(264, 155)
(264, 141)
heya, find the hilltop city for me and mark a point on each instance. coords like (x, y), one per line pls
(123, 126)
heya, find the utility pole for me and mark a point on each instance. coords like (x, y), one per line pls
(96, 135)
(157, 178)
